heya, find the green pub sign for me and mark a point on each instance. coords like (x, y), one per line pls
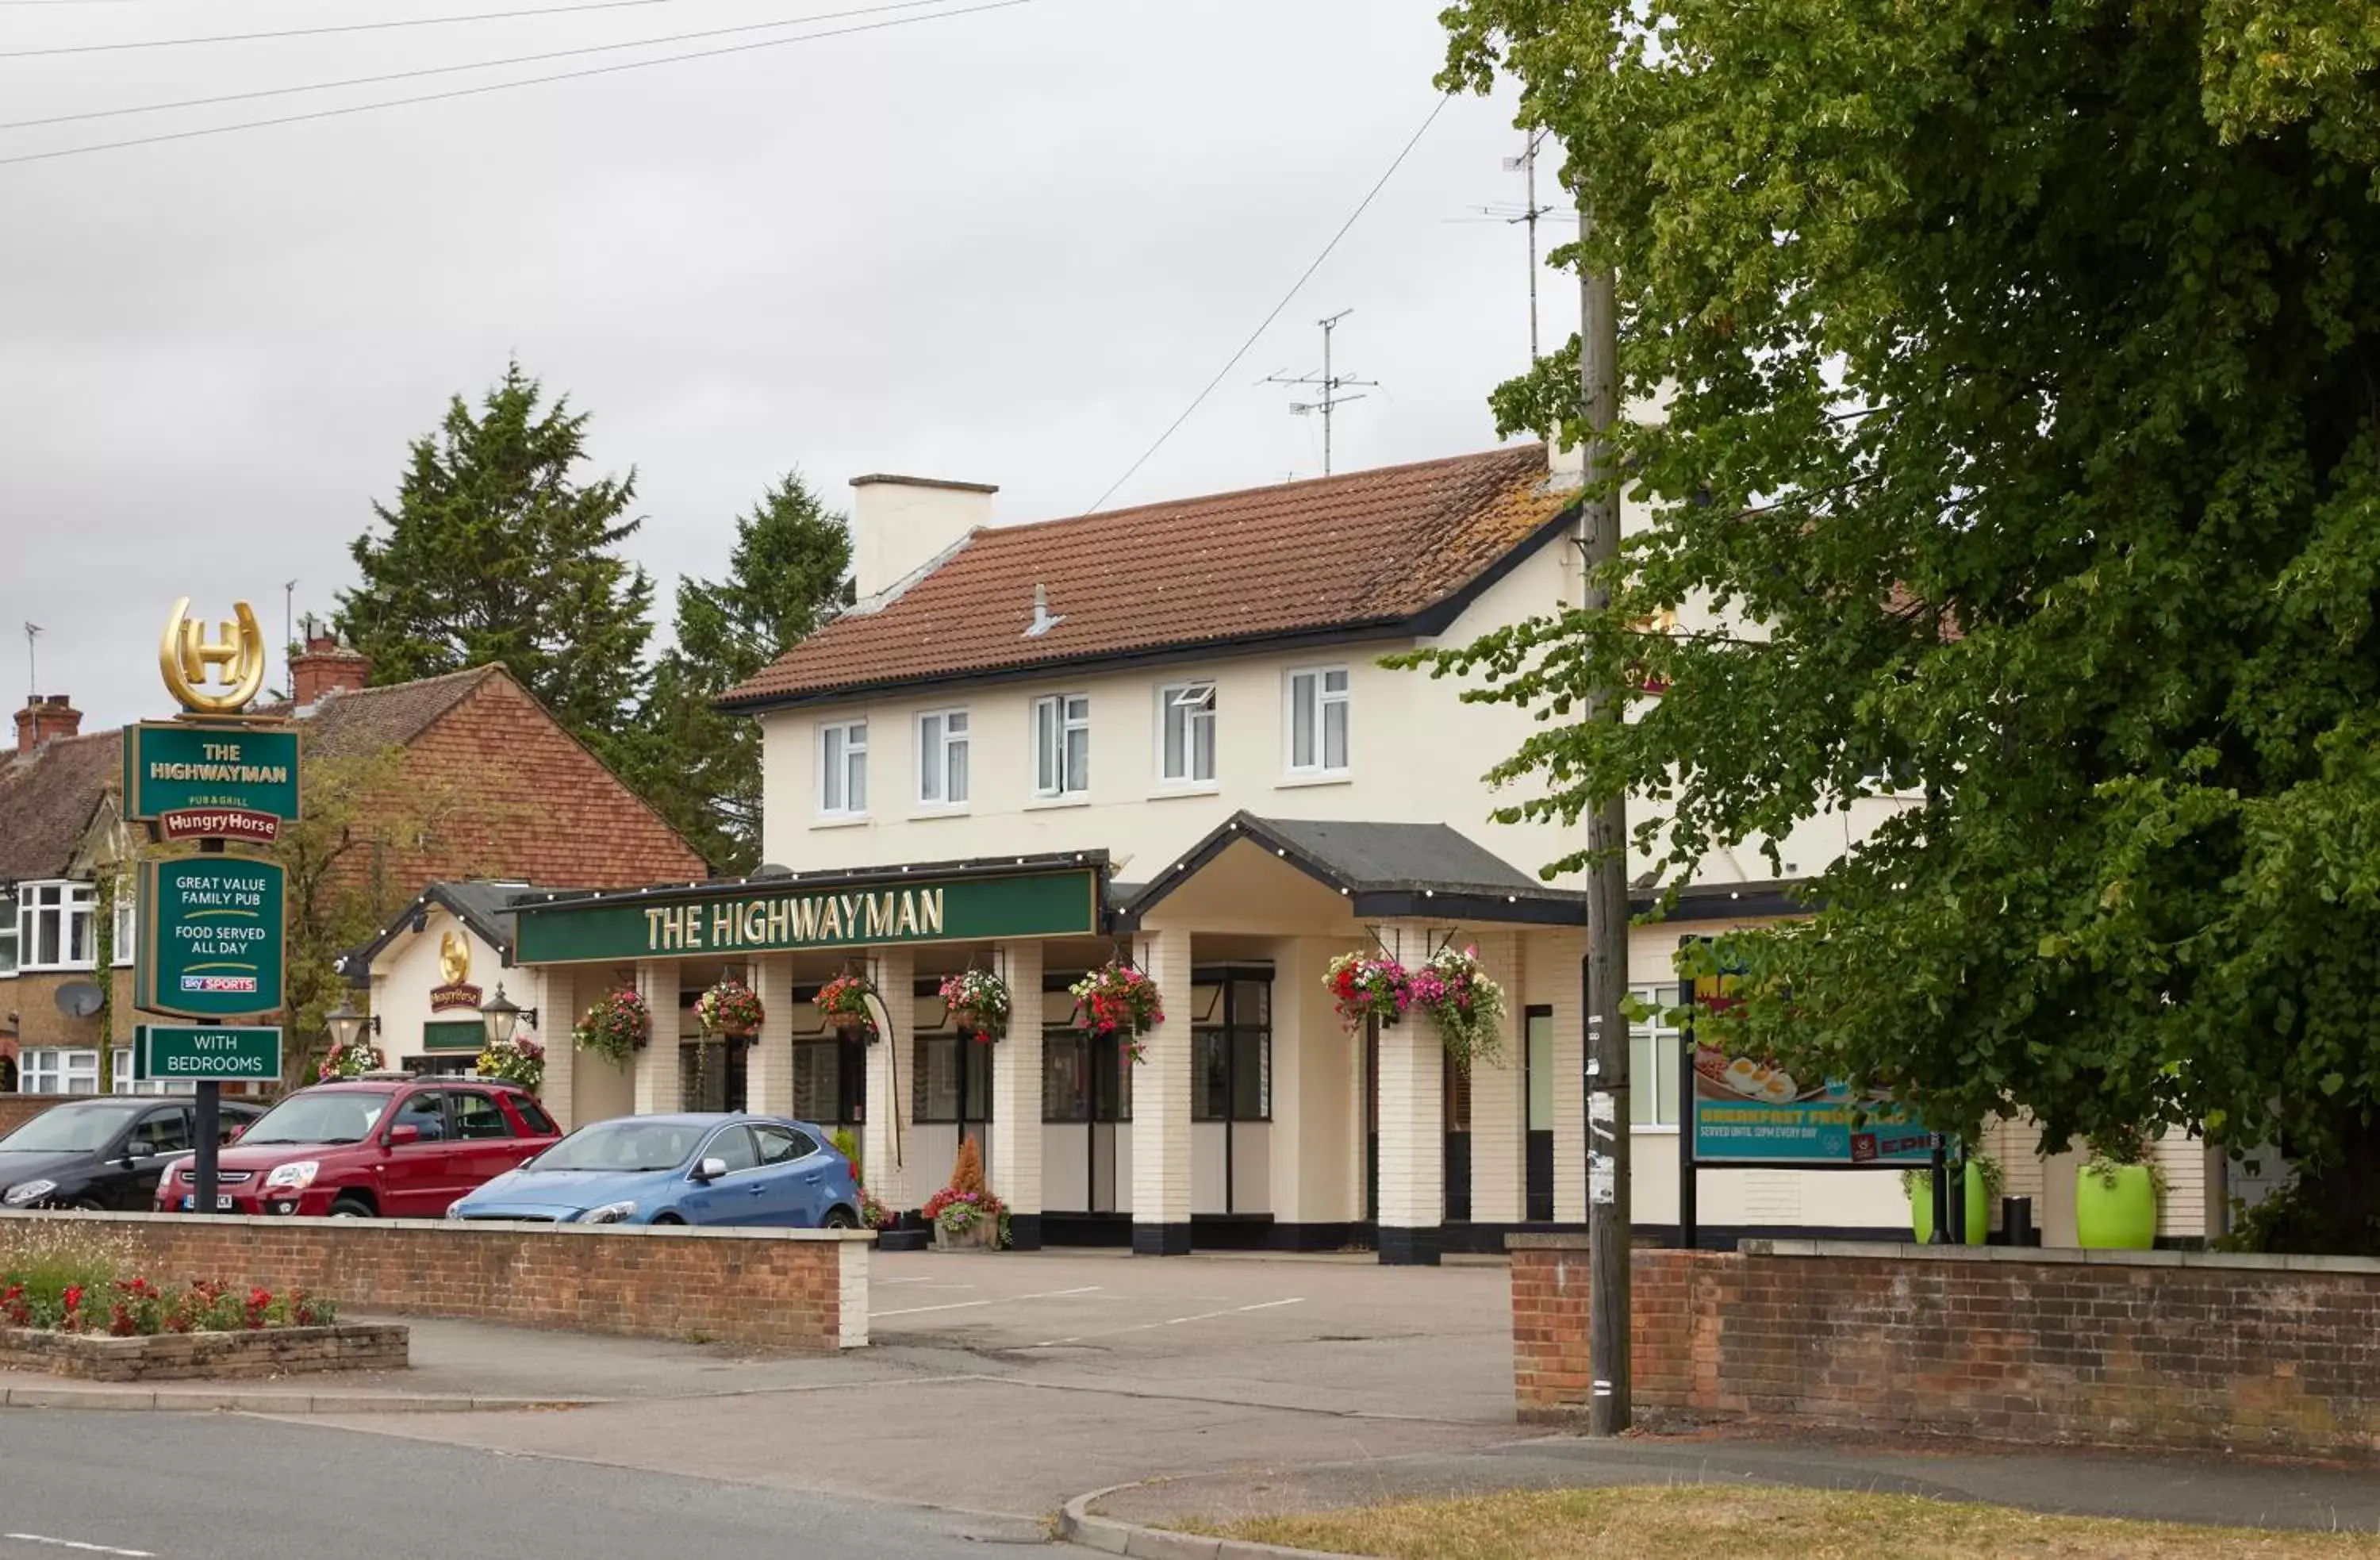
(1060, 904)
(210, 781)
(211, 938)
(188, 1053)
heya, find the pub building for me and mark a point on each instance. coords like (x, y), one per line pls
(1161, 735)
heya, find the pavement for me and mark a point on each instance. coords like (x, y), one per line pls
(1009, 1385)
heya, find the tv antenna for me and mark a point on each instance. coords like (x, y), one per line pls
(32, 669)
(1330, 383)
(1526, 165)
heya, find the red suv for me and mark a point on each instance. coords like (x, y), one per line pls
(372, 1147)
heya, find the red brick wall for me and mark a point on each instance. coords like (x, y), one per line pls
(16, 1109)
(782, 1288)
(2143, 1349)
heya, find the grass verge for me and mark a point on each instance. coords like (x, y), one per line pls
(1759, 1522)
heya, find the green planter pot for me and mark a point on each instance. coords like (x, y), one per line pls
(1979, 1208)
(2120, 1215)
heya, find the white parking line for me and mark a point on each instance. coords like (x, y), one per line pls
(1169, 1321)
(964, 1305)
(78, 1544)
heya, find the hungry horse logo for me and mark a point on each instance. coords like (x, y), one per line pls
(187, 657)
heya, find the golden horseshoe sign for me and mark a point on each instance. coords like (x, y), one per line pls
(186, 657)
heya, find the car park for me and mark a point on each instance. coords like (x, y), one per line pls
(101, 1154)
(379, 1146)
(686, 1169)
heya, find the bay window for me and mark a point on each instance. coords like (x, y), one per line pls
(942, 758)
(1185, 733)
(1061, 745)
(842, 769)
(54, 929)
(1317, 721)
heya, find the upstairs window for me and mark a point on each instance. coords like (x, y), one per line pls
(1185, 730)
(1317, 721)
(842, 769)
(942, 758)
(127, 920)
(54, 929)
(1061, 745)
(8, 931)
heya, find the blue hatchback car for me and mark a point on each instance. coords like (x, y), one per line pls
(695, 1169)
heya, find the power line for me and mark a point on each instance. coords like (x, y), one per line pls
(499, 86)
(319, 31)
(1296, 286)
(455, 70)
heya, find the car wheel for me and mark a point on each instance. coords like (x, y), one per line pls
(88, 1205)
(667, 1219)
(841, 1218)
(350, 1207)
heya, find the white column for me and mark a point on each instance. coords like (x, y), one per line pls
(1569, 1080)
(658, 1091)
(557, 1015)
(1016, 1096)
(1412, 1131)
(1500, 1142)
(1161, 1106)
(887, 1140)
(768, 1074)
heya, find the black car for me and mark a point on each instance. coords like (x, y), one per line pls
(103, 1153)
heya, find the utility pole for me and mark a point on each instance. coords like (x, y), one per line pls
(1608, 1157)
(1331, 383)
(1526, 165)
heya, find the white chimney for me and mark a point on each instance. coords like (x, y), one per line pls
(900, 524)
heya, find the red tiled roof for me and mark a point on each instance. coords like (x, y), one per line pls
(1367, 548)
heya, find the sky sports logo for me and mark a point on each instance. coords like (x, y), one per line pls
(230, 984)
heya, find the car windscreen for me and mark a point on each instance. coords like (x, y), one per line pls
(346, 1117)
(624, 1144)
(68, 1129)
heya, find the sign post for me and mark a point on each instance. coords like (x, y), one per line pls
(213, 928)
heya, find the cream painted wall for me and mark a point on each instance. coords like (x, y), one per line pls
(407, 971)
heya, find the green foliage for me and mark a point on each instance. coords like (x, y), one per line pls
(702, 767)
(2022, 364)
(495, 551)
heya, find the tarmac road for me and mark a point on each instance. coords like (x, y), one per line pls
(88, 1485)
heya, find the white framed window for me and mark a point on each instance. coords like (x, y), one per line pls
(128, 922)
(55, 1071)
(1654, 1059)
(54, 929)
(1061, 745)
(842, 769)
(8, 931)
(1185, 733)
(1317, 721)
(942, 758)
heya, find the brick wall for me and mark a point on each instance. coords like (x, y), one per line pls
(780, 1289)
(16, 1109)
(180, 1357)
(2167, 1349)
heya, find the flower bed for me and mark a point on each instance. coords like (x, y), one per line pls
(167, 1357)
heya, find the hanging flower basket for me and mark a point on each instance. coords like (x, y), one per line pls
(843, 1002)
(349, 1061)
(1469, 1007)
(617, 1027)
(518, 1060)
(1119, 1003)
(729, 1009)
(1367, 986)
(978, 1003)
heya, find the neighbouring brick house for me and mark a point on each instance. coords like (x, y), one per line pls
(456, 778)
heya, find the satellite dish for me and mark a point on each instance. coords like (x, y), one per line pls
(80, 999)
(769, 870)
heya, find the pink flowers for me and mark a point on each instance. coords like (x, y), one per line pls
(1366, 986)
(1120, 1002)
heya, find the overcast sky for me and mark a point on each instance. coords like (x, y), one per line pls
(1006, 247)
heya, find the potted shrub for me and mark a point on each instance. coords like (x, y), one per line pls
(1467, 1006)
(1367, 986)
(966, 1217)
(1119, 1003)
(843, 1002)
(617, 1027)
(518, 1060)
(978, 1003)
(2117, 1191)
(1979, 1180)
(729, 1009)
